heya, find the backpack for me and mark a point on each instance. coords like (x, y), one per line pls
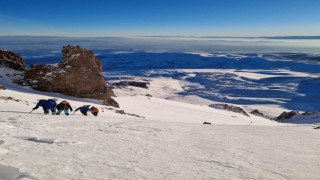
(94, 110)
(51, 102)
(64, 102)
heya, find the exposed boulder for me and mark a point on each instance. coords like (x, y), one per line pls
(12, 60)
(230, 108)
(2, 87)
(79, 74)
(286, 115)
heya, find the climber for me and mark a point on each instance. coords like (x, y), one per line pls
(84, 110)
(64, 106)
(47, 104)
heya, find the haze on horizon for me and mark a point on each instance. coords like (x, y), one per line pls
(96, 18)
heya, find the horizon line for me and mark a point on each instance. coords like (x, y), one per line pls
(175, 36)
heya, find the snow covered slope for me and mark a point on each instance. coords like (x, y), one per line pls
(167, 141)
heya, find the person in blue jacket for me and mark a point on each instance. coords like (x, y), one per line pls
(84, 110)
(47, 105)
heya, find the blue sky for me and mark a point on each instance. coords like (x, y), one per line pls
(160, 17)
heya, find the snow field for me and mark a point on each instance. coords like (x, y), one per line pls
(169, 143)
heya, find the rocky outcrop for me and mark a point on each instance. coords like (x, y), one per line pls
(12, 60)
(257, 113)
(230, 108)
(132, 83)
(298, 117)
(286, 115)
(2, 87)
(79, 74)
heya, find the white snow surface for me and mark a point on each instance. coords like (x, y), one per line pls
(170, 142)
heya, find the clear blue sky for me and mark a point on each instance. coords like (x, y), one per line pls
(160, 17)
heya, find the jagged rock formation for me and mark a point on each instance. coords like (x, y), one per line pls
(79, 74)
(12, 60)
(286, 115)
(230, 108)
(257, 113)
(297, 117)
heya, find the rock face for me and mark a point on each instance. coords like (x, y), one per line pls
(2, 87)
(230, 108)
(12, 60)
(79, 75)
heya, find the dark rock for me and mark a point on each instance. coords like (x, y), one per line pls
(132, 83)
(149, 95)
(318, 127)
(79, 74)
(124, 113)
(286, 115)
(257, 113)
(2, 87)
(308, 113)
(38, 140)
(111, 102)
(12, 60)
(120, 112)
(206, 123)
(229, 108)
